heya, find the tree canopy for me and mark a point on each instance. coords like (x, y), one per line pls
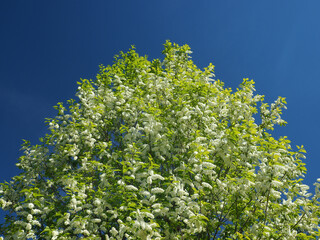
(160, 150)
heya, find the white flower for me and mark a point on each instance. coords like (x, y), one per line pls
(149, 215)
(208, 165)
(18, 208)
(207, 185)
(152, 198)
(29, 217)
(198, 177)
(28, 226)
(96, 220)
(275, 193)
(113, 231)
(157, 190)
(35, 222)
(146, 193)
(97, 202)
(277, 183)
(157, 205)
(157, 176)
(120, 182)
(142, 224)
(55, 234)
(35, 211)
(131, 188)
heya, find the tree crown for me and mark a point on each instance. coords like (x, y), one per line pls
(161, 150)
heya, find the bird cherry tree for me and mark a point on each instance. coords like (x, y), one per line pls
(160, 150)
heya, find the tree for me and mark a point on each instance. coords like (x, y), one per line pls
(160, 150)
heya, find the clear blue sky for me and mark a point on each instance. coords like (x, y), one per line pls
(47, 46)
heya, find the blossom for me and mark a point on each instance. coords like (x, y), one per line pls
(29, 217)
(131, 188)
(157, 190)
(207, 185)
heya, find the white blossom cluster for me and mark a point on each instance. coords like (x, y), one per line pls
(160, 150)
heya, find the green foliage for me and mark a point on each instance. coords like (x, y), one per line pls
(161, 150)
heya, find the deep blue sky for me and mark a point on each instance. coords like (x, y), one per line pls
(47, 46)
